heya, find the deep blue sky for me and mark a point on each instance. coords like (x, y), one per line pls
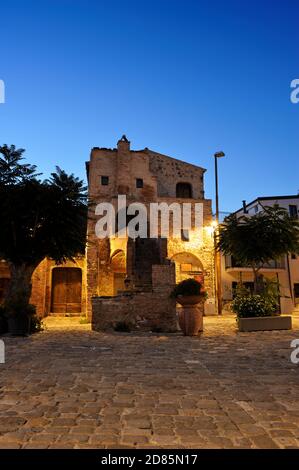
(182, 77)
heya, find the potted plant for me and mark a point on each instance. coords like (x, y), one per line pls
(19, 318)
(258, 312)
(191, 296)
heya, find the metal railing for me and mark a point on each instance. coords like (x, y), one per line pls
(230, 262)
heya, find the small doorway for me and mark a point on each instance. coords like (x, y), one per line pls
(66, 290)
(187, 266)
(296, 293)
(118, 267)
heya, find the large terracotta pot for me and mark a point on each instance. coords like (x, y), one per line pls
(191, 314)
(189, 299)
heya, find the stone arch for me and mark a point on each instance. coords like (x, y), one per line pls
(118, 261)
(188, 265)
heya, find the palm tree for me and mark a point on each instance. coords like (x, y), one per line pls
(38, 219)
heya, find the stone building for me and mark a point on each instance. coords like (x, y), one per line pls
(145, 176)
(110, 263)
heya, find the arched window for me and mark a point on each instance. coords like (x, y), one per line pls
(184, 190)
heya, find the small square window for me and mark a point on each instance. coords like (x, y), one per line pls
(139, 183)
(293, 256)
(104, 180)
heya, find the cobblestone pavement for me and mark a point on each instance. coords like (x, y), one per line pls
(70, 387)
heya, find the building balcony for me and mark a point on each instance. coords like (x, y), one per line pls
(274, 265)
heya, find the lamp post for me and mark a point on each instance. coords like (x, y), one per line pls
(217, 253)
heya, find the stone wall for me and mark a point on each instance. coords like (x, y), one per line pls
(170, 171)
(140, 310)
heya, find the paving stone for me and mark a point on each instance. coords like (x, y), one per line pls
(69, 387)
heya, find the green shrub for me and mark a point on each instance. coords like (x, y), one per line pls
(188, 287)
(253, 305)
(36, 324)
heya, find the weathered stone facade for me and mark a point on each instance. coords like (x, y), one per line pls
(120, 170)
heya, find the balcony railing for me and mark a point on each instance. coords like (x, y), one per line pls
(230, 262)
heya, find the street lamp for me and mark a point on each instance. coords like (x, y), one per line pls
(218, 254)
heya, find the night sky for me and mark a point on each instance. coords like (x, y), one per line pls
(185, 78)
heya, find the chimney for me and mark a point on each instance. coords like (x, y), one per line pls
(244, 207)
(123, 145)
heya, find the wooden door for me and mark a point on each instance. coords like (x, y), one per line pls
(66, 290)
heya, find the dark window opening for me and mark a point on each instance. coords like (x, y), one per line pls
(104, 180)
(139, 183)
(293, 211)
(293, 256)
(184, 190)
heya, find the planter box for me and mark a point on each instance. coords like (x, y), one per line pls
(265, 323)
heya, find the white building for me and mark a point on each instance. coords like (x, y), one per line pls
(285, 271)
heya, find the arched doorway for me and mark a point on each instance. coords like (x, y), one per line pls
(188, 265)
(118, 267)
(66, 291)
